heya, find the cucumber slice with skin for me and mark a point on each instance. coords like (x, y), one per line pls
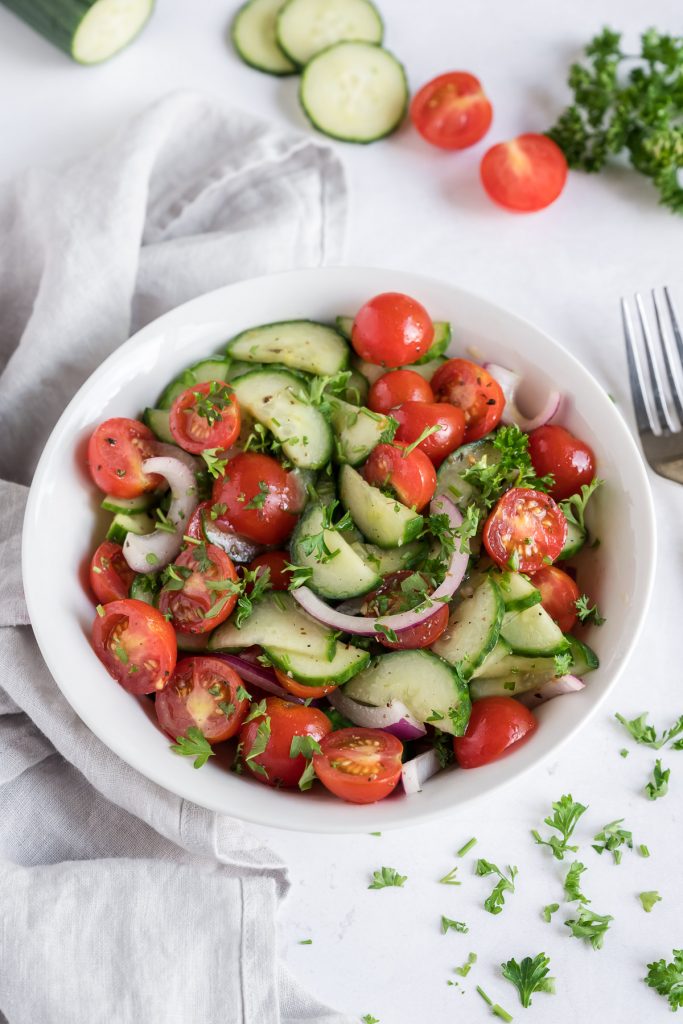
(505, 675)
(344, 574)
(90, 31)
(428, 686)
(344, 663)
(493, 658)
(279, 401)
(238, 368)
(122, 524)
(533, 633)
(158, 422)
(206, 369)
(277, 620)
(576, 538)
(584, 658)
(357, 431)
(129, 506)
(449, 479)
(381, 520)
(392, 559)
(473, 629)
(253, 36)
(518, 593)
(357, 388)
(355, 92)
(305, 27)
(299, 344)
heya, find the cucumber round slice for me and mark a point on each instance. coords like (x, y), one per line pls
(473, 629)
(299, 344)
(305, 27)
(253, 36)
(382, 520)
(428, 686)
(344, 574)
(107, 27)
(355, 92)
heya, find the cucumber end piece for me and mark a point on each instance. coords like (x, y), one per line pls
(108, 27)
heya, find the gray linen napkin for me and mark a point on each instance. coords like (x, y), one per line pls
(120, 902)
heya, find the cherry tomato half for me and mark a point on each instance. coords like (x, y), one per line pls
(257, 494)
(452, 111)
(301, 689)
(274, 766)
(391, 330)
(496, 725)
(410, 475)
(136, 645)
(416, 417)
(202, 692)
(275, 561)
(205, 416)
(559, 594)
(472, 389)
(359, 765)
(110, 574)
(116, 451)
(571, 461)
(397, 387)
(525, 530)
(525, 174)
(399, 592)
(194, 598)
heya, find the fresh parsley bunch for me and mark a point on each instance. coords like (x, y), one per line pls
(631, 102)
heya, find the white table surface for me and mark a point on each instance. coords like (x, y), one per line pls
(417, 208)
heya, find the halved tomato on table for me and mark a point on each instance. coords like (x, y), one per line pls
(205, 416)
(409, 475)
(116, 451)
(473, 390)
(267, 741)
(110, 574)
(391, 330)
(441, 427)
(136, 645)
(496, 725)
(525, 531)
(202, 694)
(395, 388)
(359, 765)
(258, 498)
(452, 111)
(200, 590)
(525, 174)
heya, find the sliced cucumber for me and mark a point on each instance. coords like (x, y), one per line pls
(450, 476)
(442, 339)
(473, 629)
(505, 675)
(356, 92)
(122, 524)
(345, 326)
(278, 400)
(237, 368)
(129, 506)
(499, 652)
(206, 369)
(357, 388)
(158, 422)
(277, 620)
(427, 370)
(371, 371)
(357, 431)
(145, 587)
(392, 559)
(344, 663)
(576, 538)
(299, 344)
(584, 658)
(428, 686)
(508, 686)
(344, 574)
(518, 593)
(381, 520)
(533, 633)
(253, 36)
(305, 27)
(90, 31)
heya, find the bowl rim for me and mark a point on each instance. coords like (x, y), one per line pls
(358, 822)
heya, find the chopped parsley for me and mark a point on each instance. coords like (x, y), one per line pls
(659, 785)
(496, 901)
(612, 838)
(549, 910)
(255, 711)
(448, 925)
(467, 847)
(566, 813)
(590, 926)
(574, 508)
(369, 1019)
(587, 612)
(260, 580)
(646, 734)
(443, 747)
(193, 744)
(496, 1010)
(211, 405)
(648, 899)
(305, 942)
(260, 498)
(219, 508)
(258, 746)
(300, 574)
(511, 466)
(450, 878)
(214, 463)
(529, 976)
(563, 663)
(572, 884)
(467, 966)
(305, 745)
(427, 432)
(386, 877)
(667, 978)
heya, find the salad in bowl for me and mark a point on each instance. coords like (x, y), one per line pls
(343, 555)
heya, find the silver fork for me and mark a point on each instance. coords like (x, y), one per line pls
(657, 397)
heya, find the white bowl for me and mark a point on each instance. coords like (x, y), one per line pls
(63, 504)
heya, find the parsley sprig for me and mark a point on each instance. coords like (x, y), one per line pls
(588, 612)
(646, 734)
(511, 467)
(386, 877)
(496, 901)
(529, 976)
(447, 925)
(193, 744)
(659, 784)
(572, 884)
(566, 813)
(590, 926)
(667, 978)
(574, 508)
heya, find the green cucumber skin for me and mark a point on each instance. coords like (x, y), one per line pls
(247, 60)
(281, 658)
(59, 20)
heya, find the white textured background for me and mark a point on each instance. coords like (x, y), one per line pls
(420, 209)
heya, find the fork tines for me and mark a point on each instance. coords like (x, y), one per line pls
(658, 392)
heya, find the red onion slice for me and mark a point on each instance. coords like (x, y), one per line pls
(393, 717)
(361, 626)
(259, 675)
(416, 772)
(152, 551)
(553, 688)
(172, 451)
(509, 382)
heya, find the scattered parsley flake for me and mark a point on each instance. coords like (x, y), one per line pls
(648, 899)
(305, 942)
(590, 926)
(549, 910)
(659, 786)
(496, 1010)
(214, 463)
(457, 926)
(255, 711)
(572, 884)
(563, 663)
(566, 813)
(643, 850)
(258, 746)
(612, 838)
(467, 847)
(369, 1019)
(450, 878)
(587, 612)
(467, 966)
(645, 734)
(242, 694)
(193, 744)
(529, 976)
(387, 877)
(100, 610)
(496, 901)
(574, 508)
